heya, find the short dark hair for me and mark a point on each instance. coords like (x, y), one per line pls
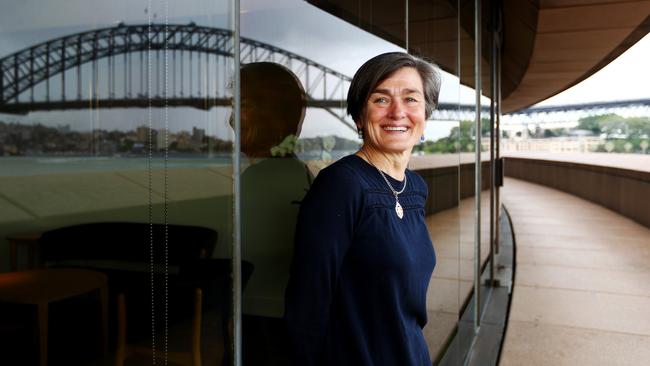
(379, 68)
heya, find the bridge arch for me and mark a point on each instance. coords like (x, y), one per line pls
(23, 70)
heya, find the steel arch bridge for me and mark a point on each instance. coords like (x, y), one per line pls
(137, 63)
(568, 115)
(594, 107)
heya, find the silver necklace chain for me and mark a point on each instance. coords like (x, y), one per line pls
(398, 207)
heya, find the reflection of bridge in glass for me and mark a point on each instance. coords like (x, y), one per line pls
(181, 66)
(147, 65)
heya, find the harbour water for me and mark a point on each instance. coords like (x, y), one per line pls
(46, 165)
(16, 166)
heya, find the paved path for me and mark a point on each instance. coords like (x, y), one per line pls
(452, 233)
(582, 284)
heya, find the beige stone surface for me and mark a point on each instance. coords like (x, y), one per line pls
(535, 344)
(635, 260)
(583, 309)
(443, 294)
(452, 233)
(582, 287)
(612, 231)
(454, 269)
(585, 279)
(574, 241)
(447, 268)
(440, 326)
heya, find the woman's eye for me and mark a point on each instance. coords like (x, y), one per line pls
(380, 100)
(411, 100)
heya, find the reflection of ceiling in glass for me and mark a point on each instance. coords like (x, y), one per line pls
(433, 25)
(573, 40)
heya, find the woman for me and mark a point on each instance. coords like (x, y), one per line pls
(363, 257)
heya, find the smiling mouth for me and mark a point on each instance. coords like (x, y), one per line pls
(395, 128)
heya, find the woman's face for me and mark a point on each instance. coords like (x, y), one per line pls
(395, 112)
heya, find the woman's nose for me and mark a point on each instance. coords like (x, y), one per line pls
(397, 110)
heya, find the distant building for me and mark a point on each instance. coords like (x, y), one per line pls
(184, 142)
(142, 133)
(163, 139)
(198, 134)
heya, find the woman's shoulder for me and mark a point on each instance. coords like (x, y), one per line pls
(345, 168)
(342, 174)
(419, 184)
(338, 182)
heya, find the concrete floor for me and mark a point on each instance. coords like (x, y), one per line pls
(452, 233)
(582, 282)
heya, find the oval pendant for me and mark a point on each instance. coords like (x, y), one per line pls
(398, 209)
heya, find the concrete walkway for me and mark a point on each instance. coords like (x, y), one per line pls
(582, 283)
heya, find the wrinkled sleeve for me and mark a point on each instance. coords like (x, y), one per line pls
(324, 232)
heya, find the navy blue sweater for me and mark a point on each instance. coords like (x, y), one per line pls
(359, 274)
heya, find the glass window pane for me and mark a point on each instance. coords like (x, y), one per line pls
(292, 47)
(116, 181)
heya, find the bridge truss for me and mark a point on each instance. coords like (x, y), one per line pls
(149, 65)
(567, 116)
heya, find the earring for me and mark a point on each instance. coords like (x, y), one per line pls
(422, 138)
(360, 131)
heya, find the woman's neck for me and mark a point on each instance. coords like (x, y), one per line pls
(393, 164)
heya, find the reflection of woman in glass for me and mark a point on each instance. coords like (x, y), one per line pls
(272, 185)
(363, 257)
(272, 107)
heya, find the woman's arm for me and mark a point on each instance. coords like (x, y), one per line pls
(324, 232)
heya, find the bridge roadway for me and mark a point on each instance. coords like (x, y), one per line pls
(582, 284)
